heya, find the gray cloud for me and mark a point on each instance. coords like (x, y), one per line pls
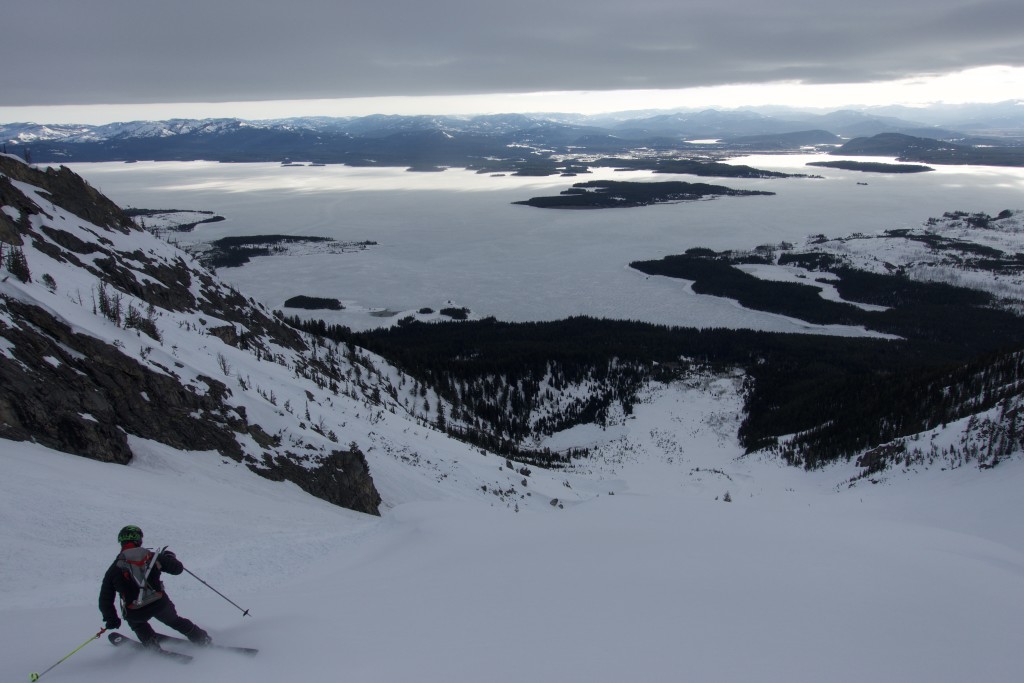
(136, 51)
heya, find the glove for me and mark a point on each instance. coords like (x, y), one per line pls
(112, 624)
(170, 563)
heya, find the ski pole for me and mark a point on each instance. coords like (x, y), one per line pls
(245, 612)
(36, 677)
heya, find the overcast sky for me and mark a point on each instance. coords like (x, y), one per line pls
(81, 52)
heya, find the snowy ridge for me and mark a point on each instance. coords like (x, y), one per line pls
(28, 133)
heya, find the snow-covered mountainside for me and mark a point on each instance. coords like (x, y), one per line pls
(108, 333)
(672, 557)
(669, 553)
(30, 133)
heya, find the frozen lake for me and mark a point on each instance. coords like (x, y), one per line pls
(456, 236)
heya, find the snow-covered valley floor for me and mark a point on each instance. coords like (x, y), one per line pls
(644, 574)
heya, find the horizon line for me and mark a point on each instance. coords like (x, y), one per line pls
(972, 86)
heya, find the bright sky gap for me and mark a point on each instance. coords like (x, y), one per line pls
(984, 84)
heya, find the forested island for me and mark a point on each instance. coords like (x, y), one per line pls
(234, 251)
(314, 303)
(872, 166)
(698, 167)
(174, 220)
(609, 194)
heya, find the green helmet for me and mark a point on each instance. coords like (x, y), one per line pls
(129, 534)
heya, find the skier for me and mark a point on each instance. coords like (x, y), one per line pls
(135, 575)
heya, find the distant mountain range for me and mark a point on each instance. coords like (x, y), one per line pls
(502, 143)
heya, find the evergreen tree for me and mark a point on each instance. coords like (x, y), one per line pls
(16, 264)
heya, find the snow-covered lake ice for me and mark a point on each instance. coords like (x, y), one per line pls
(456, 236)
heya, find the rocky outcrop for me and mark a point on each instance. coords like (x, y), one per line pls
(228, 304)
(64, 388)
(69, 191)
(9, 196)
(340, 476)
(73, 393)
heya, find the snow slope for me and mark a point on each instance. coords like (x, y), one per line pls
(645, 573)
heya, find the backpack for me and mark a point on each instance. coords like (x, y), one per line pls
(137, 563)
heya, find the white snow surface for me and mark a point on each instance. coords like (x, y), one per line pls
(644, 573)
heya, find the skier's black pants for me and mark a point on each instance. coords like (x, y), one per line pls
(163, 611)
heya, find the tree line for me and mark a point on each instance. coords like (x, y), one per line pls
(508, 383)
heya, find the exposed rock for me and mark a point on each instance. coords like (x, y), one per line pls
(88, 396)
(73, 392)
(65, 239)
(343, 478)
(9, 196)
(70, 191)
(227, 334)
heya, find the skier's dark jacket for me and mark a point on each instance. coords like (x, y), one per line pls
(115, 581)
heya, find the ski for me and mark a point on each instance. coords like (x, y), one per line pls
(119, 640)
(161, 637)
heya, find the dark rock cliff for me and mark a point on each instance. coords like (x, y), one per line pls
(73, 392)
(76, 394)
